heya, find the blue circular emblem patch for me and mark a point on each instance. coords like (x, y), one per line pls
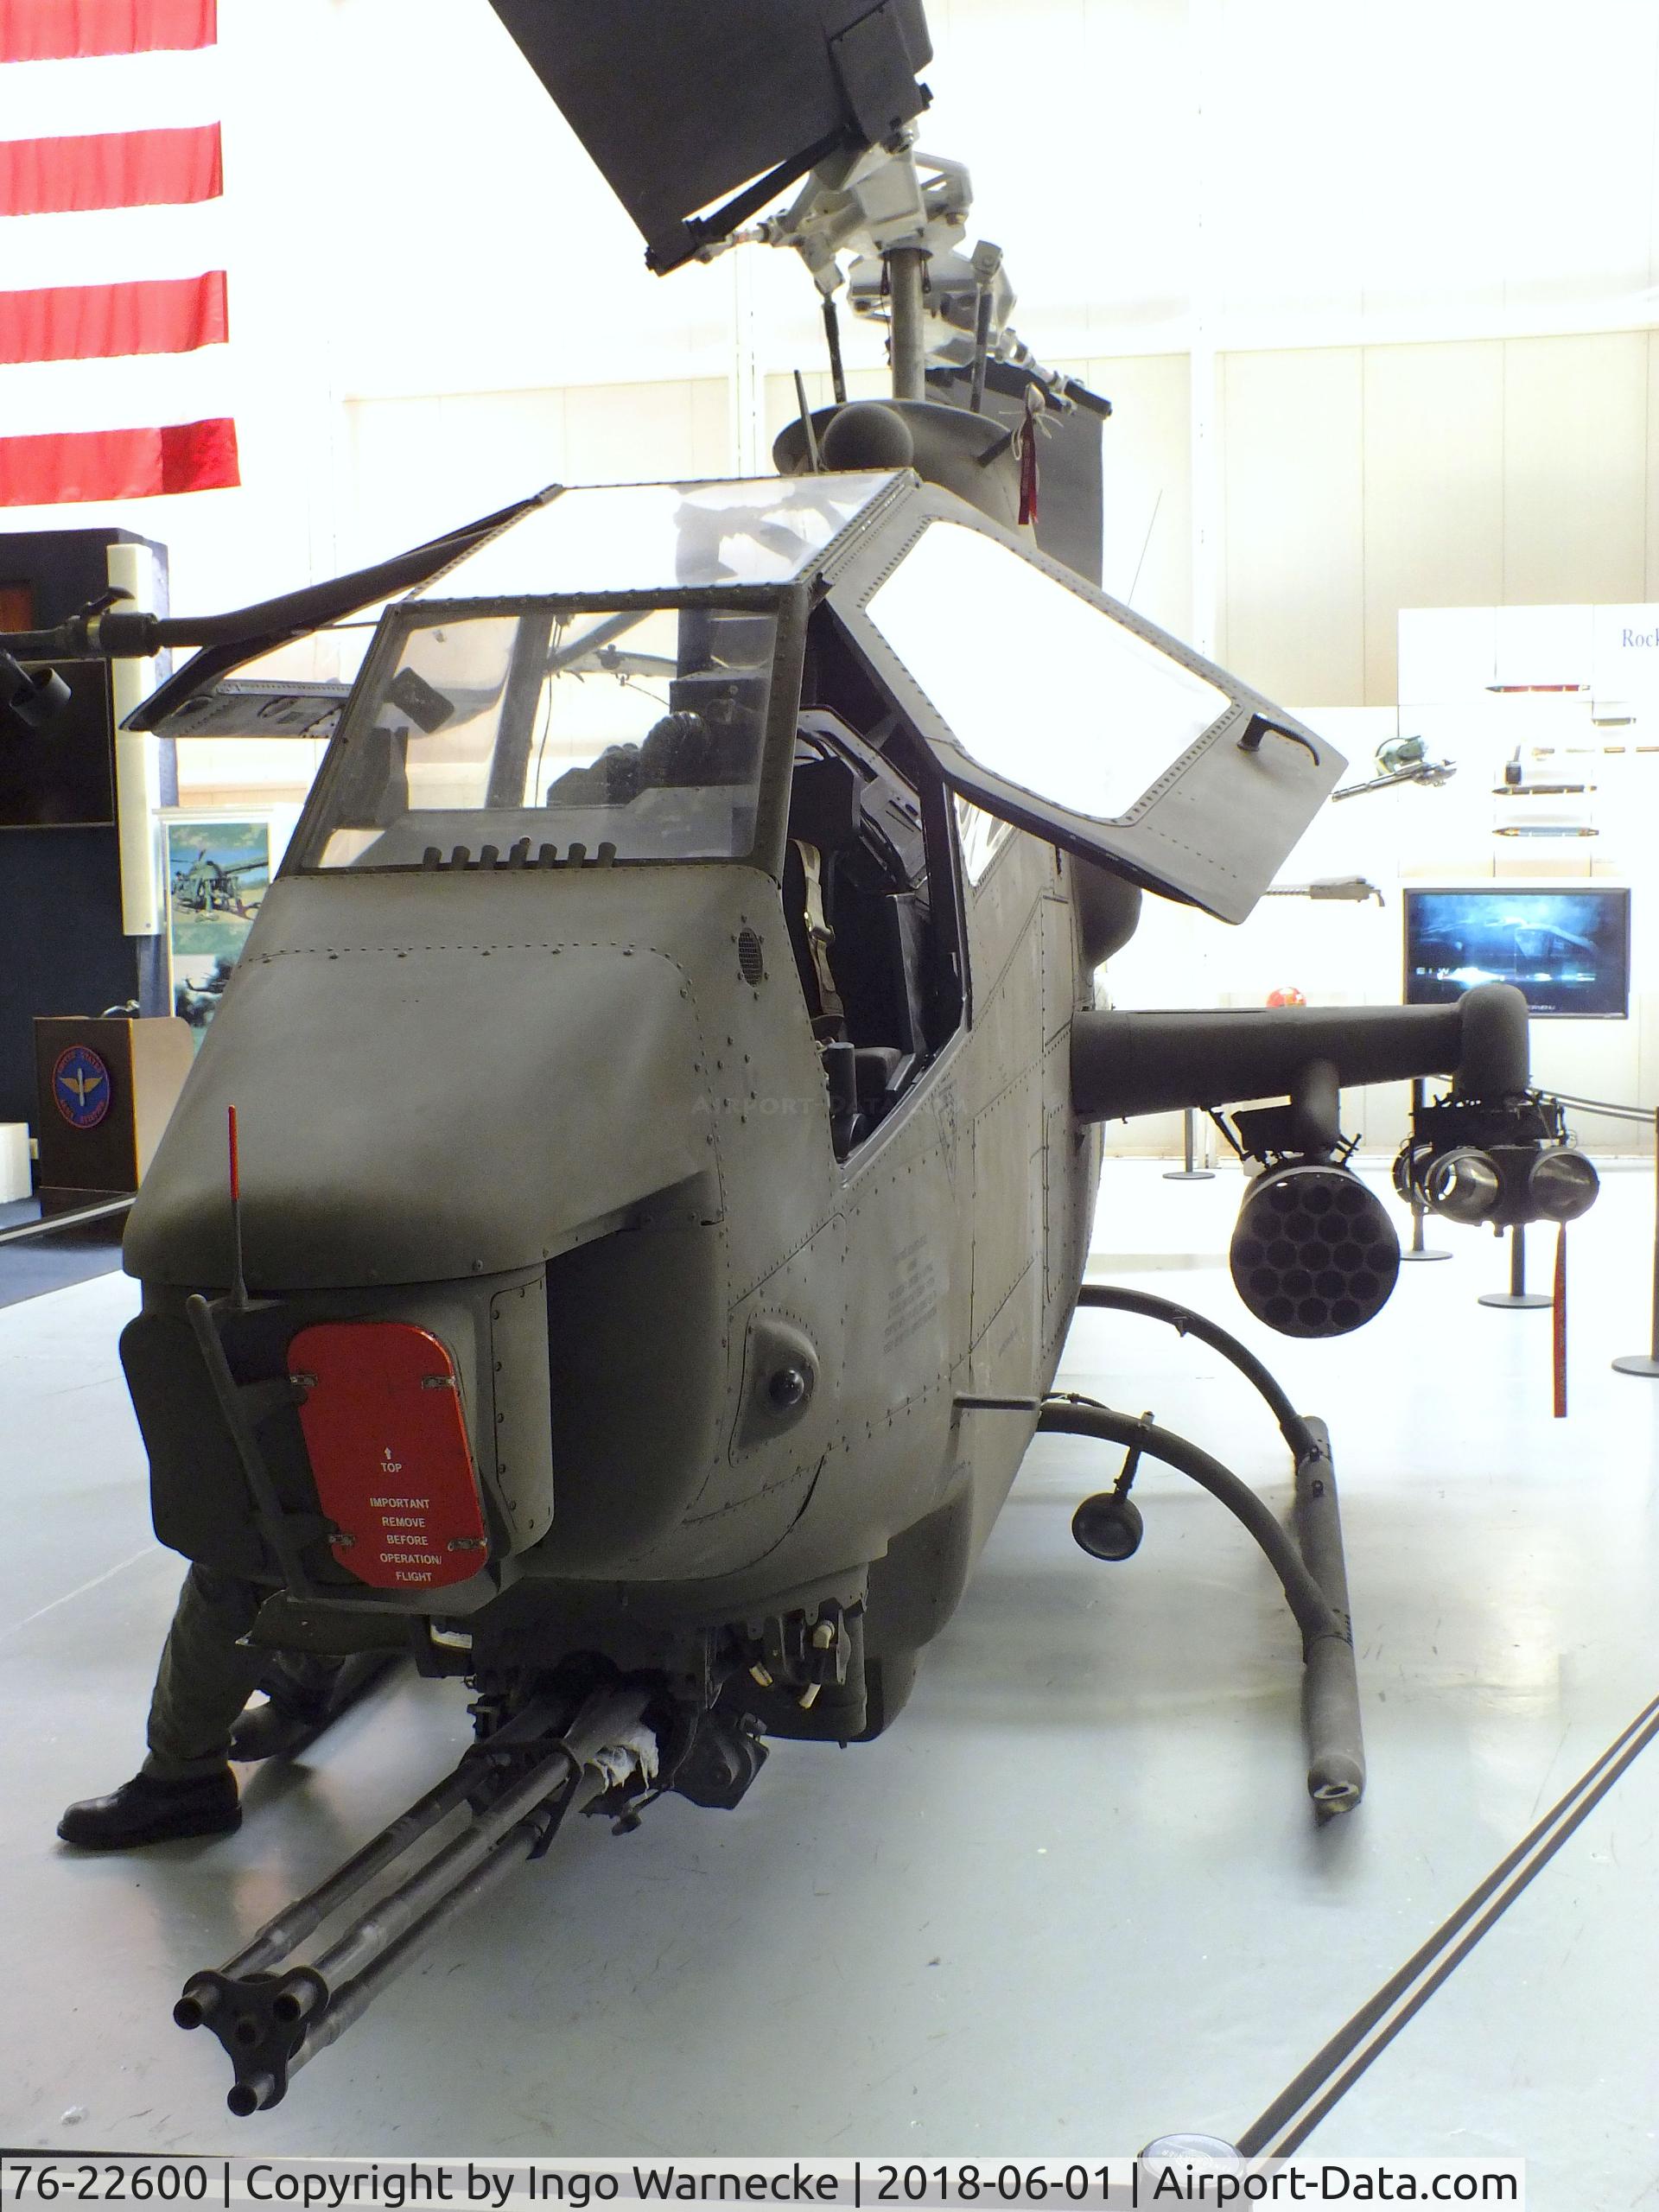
(80, 1085)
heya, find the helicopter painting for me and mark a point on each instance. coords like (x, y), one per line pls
(206, 887)
(667, 1080)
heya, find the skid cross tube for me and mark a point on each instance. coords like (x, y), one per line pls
(1300, 1435)
(1314, 1579)
(272, 2016)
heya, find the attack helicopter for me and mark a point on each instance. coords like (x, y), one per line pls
(665, 1080)
(206, 885)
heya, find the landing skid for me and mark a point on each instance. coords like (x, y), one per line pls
(1312, 1571)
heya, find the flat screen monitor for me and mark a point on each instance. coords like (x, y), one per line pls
(1569, 951)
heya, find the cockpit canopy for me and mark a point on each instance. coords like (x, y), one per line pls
(665, 537)
(503, 715)
(613, 675)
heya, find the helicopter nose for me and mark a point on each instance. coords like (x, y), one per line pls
(426, 1114)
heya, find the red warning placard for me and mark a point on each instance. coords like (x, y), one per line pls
(387, 1439)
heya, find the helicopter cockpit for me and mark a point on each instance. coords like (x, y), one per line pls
(555, 733)
(504, 720)
(699, 715)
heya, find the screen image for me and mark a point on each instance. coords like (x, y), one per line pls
(1569, 950)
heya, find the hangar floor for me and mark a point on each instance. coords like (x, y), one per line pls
(1075, 1899)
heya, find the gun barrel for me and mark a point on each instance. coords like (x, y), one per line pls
(306, 1915)
(518, 1788)
(353, 1998)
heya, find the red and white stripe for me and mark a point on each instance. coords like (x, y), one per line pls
(114, 320)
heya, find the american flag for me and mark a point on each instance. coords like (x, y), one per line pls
(113, 318)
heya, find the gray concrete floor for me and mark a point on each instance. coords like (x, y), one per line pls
(1074, 1899)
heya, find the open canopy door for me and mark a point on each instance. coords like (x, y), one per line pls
(1049, 705)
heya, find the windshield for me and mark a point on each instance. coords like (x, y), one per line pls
(553, 734)
(664, 537)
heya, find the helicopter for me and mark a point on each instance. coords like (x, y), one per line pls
(207, 887)
(617, 1242)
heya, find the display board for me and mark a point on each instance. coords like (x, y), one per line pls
(1569, 950)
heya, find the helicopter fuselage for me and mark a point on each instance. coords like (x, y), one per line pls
(689, 1090)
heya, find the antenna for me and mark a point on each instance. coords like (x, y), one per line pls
(808, 425)
(239, 1284)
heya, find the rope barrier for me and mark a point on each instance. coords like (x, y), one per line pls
(1605, 1106)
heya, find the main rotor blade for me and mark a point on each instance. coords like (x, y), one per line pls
(679, 103)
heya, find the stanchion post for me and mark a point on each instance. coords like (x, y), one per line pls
(1421, 1250)
(1636, 1364)
(1517, 1299)
(1190, 1172)
(1418, 1249)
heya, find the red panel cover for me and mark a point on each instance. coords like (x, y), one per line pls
(46, 471)
(384, 1426)
(103, 322)
(110, 168)
(66, 30)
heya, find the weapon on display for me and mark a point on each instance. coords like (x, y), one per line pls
(1402, 761)
(1350, 890)
(839, 869)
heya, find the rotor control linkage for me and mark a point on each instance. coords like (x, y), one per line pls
(1313, 1579)
(518, 1787)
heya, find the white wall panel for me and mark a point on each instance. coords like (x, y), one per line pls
(1286, 228)
(1575, 97)
(646, 434)
(1294, 462)
(420, 465)
(1434, 489)
(1147, 472)
(1575, 492)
